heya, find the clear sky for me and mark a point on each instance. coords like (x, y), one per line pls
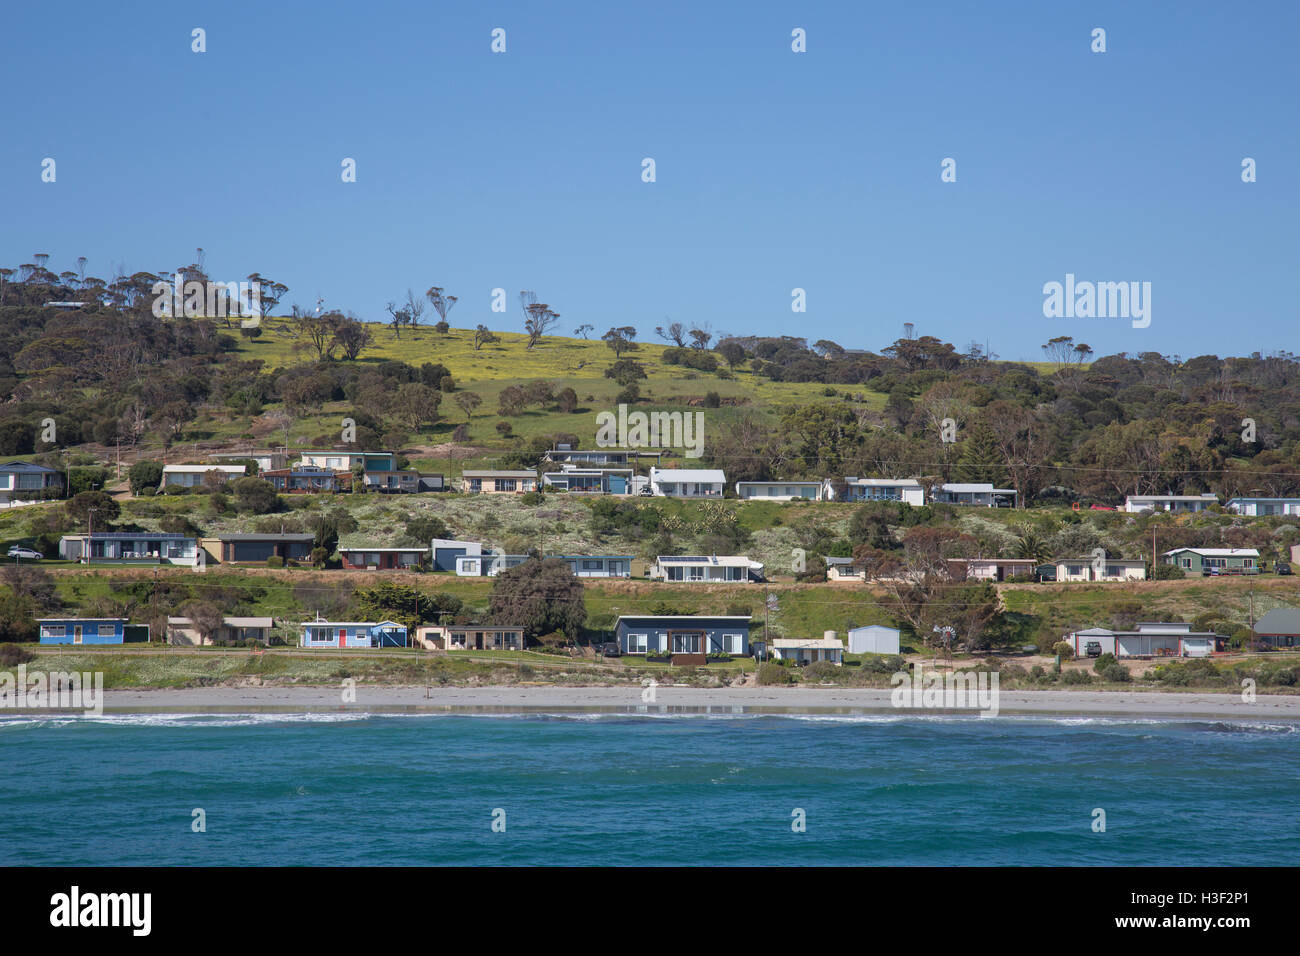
(775, 169)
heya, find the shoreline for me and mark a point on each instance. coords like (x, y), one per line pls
(675, 700)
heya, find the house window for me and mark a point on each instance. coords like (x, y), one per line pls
(686, 643)
(507, 484)
(731, 643)
(1074, 569)
(636, 643)
(107, 630)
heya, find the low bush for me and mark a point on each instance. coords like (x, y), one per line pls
(774, 673)
(12, 655)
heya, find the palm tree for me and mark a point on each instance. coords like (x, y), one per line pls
(1030, 544)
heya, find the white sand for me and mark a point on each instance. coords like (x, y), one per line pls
(679, 699)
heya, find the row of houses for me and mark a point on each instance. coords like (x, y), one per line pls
(1193, 561)
(687, 638)
(472, 559)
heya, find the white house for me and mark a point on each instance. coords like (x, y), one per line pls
(1263, 507)
(989, 569)
(265, 460)
(907, 490)
(1172, 503)
(842, 569)
(687, 482)
(809, 650)
(780, 490)
(873, 639)
(191, 476)
(597, 565)
(705, 569)
(981, 494)
(1088, 569)
(478, 565)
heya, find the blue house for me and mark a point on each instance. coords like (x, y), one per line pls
(23, 481)
(353, 634)
(84, 630)
(683, 633)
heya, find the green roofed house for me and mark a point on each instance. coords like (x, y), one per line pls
(1280, 627)
(1209, 561)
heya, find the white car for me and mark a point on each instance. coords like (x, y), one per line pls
(27, 553)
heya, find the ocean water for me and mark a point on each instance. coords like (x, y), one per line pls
(345, 789)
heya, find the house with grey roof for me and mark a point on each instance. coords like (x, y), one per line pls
(1279, 627)
(23, 481)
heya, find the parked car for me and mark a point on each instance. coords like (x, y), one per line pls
(28, 553)
(1093, 649)
(1283, 568)
(1045, 572)
(609, 649)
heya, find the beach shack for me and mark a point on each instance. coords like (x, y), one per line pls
(683, 633)
(1279, 627)
(471, 637)
(1207, 561)
(1150, 639)
(233, 630)
(91, 630)
(136, 547)
(320, 633)
(809, 650)
(382, 559)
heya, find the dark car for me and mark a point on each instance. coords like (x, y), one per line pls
(1283, 568)
(1045, 572)
(1093, 649)
(609, 649)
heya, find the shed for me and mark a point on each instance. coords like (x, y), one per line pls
(873, 639)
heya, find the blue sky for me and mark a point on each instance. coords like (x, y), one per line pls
(775, 170)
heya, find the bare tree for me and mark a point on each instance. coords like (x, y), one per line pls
(673, 332)
(483, 336)
(414, 308)
(583, 330)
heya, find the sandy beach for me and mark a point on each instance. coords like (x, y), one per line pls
(668, 699)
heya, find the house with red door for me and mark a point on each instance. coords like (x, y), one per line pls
(320, 633)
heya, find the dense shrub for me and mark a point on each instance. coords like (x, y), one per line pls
(11, 655)
(1106, 660)
(774, 673)
(822, 671)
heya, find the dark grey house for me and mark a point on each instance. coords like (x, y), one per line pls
(683, 634)
(256, 548)
(1280, 627)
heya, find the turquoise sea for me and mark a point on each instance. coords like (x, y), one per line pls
(342, 789)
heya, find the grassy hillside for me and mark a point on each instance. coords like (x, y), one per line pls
(577, 363)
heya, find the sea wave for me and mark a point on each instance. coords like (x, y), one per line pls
(647, 713)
